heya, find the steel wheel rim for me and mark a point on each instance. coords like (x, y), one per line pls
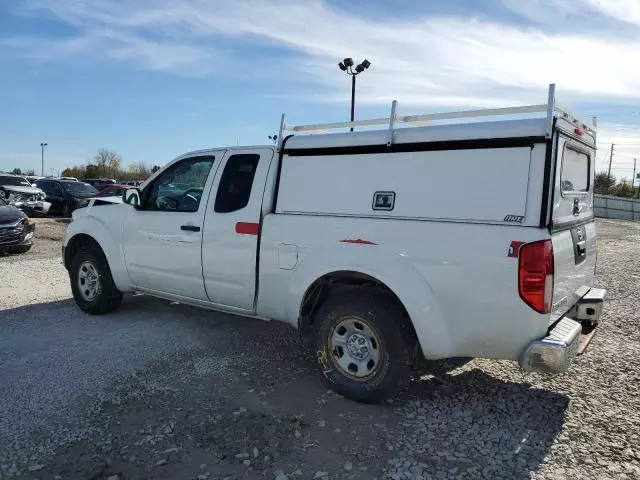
(355, 348)
(88, 281)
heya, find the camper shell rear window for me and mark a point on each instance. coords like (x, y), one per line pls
(575, 171)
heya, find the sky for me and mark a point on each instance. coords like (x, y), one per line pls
(152, 79)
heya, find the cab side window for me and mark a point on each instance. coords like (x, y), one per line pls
(235, 186)
(180, 188)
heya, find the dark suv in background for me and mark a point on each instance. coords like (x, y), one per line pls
(66, 195)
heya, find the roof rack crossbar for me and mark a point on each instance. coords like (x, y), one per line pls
(551, 108)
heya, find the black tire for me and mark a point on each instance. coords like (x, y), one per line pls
(388, 322)
(67, 210)
(23, 249)
(108, 298)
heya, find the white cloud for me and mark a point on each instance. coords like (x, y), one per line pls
(624, 10)
(441, 61)
(183, 58)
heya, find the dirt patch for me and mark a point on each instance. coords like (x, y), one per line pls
(50, 228)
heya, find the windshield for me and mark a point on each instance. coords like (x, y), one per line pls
(79, 187)
(14, 181)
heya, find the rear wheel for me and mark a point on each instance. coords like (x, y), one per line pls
(91, 282)
(362, 347)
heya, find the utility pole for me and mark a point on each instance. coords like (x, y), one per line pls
(609, 172)
(610, 159)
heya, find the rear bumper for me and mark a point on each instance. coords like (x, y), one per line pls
(555, 352)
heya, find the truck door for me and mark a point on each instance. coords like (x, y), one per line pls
(232, 226)
(573, 230)
(163, 238)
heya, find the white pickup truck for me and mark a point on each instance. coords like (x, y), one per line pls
(460, 238)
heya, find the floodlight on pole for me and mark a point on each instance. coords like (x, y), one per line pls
(42, 145)
(347, 66)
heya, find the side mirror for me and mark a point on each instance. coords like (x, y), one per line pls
(131, 196)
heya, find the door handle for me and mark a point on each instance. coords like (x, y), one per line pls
(190, 228)
(577, 207)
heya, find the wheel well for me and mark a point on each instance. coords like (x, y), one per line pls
(74, 243)
(342, 281)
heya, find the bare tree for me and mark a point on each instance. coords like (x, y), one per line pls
(140, 170)
(108, 161)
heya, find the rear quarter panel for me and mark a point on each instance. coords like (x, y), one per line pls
(457, 281)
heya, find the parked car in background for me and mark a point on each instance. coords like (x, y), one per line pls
(111, 190)
(74, 179)
(16, 229)
(66, 195)
(13, 180)
(17, 191)
(99, 182)
(33, 178)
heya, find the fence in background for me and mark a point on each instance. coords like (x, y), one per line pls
(616, 207)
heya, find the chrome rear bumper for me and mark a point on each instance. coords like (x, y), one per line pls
(555, 352)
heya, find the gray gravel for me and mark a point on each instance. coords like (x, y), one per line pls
(167, 391)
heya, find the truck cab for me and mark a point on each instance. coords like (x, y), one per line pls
(195, 233)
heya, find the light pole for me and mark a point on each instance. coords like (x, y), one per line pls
(347, 66)
(42, 145)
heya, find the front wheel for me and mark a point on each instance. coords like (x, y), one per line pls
(91, 282)
(362, 346)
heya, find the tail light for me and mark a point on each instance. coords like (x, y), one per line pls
(535, 275)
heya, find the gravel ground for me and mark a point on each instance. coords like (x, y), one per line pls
(160, 390)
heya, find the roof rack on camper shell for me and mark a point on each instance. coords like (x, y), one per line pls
(551, 108)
